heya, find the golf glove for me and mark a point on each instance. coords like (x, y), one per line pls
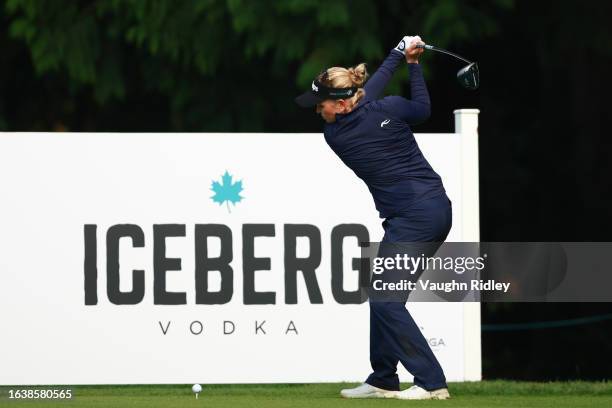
(405, 42)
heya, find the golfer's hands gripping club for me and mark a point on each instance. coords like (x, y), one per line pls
(411, 47)
(412, 51)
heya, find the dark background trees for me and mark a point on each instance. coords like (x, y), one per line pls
(235, 65)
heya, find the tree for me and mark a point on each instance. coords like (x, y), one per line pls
(215, 65)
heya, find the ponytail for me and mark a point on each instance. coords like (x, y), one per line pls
(338, 77)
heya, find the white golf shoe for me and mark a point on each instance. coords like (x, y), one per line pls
(417, 393)
(366, 390)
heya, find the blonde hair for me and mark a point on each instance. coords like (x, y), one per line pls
(339, 77)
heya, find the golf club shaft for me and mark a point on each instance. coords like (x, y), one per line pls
(431, 47)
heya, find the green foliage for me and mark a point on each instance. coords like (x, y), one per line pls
(451, 21)
(210, 59)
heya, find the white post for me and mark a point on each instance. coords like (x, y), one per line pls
(466, 126)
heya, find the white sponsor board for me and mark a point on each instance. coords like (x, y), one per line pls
(53, 185)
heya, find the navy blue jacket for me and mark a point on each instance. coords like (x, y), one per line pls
(376, 142)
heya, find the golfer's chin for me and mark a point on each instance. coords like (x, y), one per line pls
(329, 120)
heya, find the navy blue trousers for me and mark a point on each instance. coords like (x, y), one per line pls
(394, 335)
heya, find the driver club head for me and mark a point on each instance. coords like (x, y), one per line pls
(469, 77)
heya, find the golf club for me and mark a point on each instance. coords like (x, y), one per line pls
(467, 76)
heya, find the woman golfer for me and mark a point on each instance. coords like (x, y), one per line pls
(372, 136)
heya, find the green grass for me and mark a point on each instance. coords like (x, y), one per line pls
(473, 395)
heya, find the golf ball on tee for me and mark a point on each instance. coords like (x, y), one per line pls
(197, 388)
